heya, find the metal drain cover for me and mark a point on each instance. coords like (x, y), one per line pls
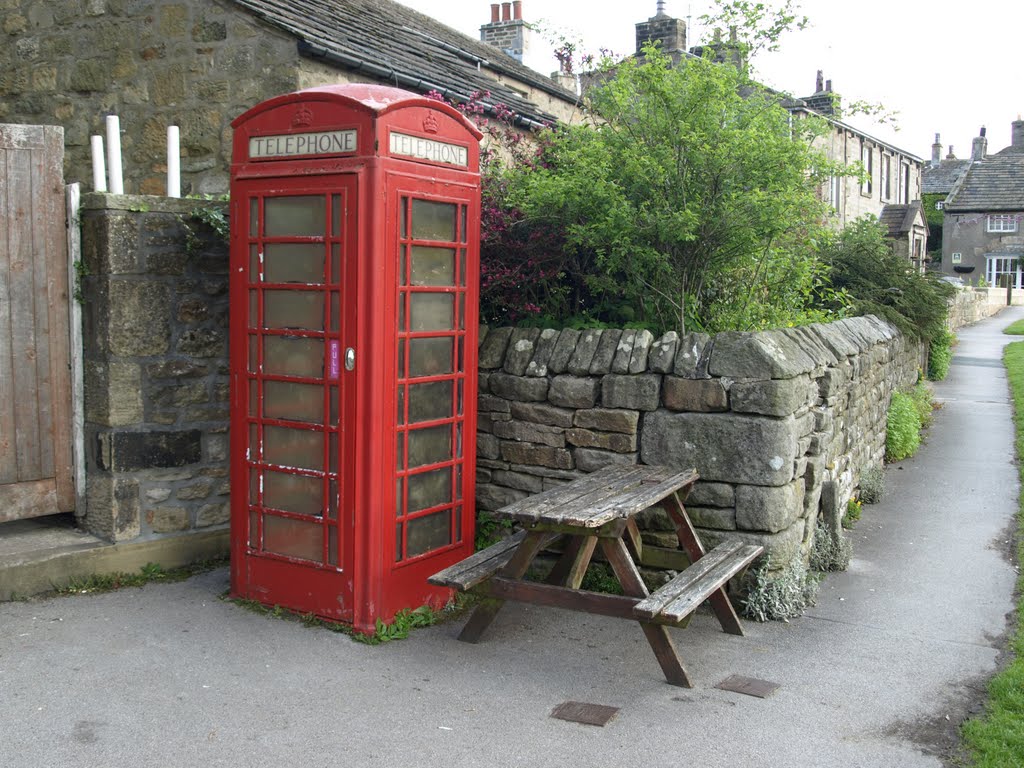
(581, 712)
(748, 685)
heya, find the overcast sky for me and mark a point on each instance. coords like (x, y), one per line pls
(944, 67)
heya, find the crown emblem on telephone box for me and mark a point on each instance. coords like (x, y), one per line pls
(303, 117)
(430, 124)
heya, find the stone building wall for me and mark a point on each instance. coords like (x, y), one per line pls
(154, 308)
(779, 424)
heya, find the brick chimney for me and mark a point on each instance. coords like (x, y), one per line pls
(823, 100)
(936, 151)
(1017, 134)
(979, 147)
(507, 30)
(951, 156)
(662, 28)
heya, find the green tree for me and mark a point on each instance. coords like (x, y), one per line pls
(694, 191)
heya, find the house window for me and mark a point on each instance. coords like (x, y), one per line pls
(835, 191)
(939, 205)
(904, 187)
(1002, 269)
(884, 176)
(866, 157)
(1002, 222)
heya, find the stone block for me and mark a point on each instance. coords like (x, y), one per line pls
(541, 455)
(527, 432)
(640, 392)
(586, 348)
(692, 356)
(719, 518)
(593, 459)
(203, 342)
(487, 446)
(167, 519)
(521, 388)
(641, 350)
(139, 318)
(520, 350)
(623, 351)
(121, 451)
(771, 398)
(655, 519)
(544, 347)
(832, 382)
(213, 514)
(661, 358)
(769, 508)
(723, 447)
(542, 413)
(563, 350)
(705, 494)
(608, 420)
(112, 507)
(761, 355)
(779, 548)
(609, 441)
(198, 490)
(519, 480)
(492, 348)
(491, 497)
(602, 362)
(176, 369)
(574, 391)
(492, 404)
(696, 395)
(548, 472)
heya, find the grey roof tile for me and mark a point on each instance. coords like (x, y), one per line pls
(939, 179)
(993, 184)
(396, 45)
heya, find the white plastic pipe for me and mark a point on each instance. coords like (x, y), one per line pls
(173, 162)
(99, 165)
(114, 155)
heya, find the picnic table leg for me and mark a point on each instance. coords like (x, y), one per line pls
(572, 565)
(687, 536)
(484, 613)
(657, 635)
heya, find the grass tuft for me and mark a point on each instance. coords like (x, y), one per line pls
(996, 738)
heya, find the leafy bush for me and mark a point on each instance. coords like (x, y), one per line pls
(903, 428)
(779, 595)
(922, 396)
(872, 485)
(852, 515)
(940, 354)
(829, 552)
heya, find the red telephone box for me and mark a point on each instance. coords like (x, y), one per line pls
(355, 215)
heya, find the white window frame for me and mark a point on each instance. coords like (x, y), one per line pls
(867, 156)
(1002, 222)
(940, 204)
(1000, 264)
(835, 192)
(885, 176)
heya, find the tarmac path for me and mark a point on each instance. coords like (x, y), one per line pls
(172, 675)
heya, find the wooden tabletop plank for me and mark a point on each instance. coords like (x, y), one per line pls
(656, 485)
(533, 507)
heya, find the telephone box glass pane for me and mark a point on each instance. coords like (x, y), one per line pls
(431, 401)
(288, 401)
(294, 448)
(293, 493)
(431, 311)
(429, 489)
(293, 538)
(293, 309)
(429, 532)
(430, 445)
(430, 357)
(289, 216)
(293, 356)
(433, 221)
(433, 266)
(293, 263)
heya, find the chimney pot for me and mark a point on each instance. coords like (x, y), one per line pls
(495, 13)
(517, 10)
(828, 86)
(951, 156)
(819, 82)
(982, 133)
(1017, 133)
(506, 11)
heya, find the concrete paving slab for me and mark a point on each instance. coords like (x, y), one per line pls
(173, 675)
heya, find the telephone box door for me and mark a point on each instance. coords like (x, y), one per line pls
(293, 374)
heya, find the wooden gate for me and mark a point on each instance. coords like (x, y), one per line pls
(35, 389)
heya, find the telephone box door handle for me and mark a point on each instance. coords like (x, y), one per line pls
(350, 359)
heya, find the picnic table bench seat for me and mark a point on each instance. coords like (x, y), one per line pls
(675, 600)
(482, 565)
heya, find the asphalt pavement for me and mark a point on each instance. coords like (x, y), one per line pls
(879, 673)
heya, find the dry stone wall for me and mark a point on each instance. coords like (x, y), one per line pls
(779, 424)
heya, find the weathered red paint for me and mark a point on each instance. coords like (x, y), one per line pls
(323, 452)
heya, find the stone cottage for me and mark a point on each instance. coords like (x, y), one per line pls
(983, 212)
(200, 63)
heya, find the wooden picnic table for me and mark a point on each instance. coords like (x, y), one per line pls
(601, 509)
